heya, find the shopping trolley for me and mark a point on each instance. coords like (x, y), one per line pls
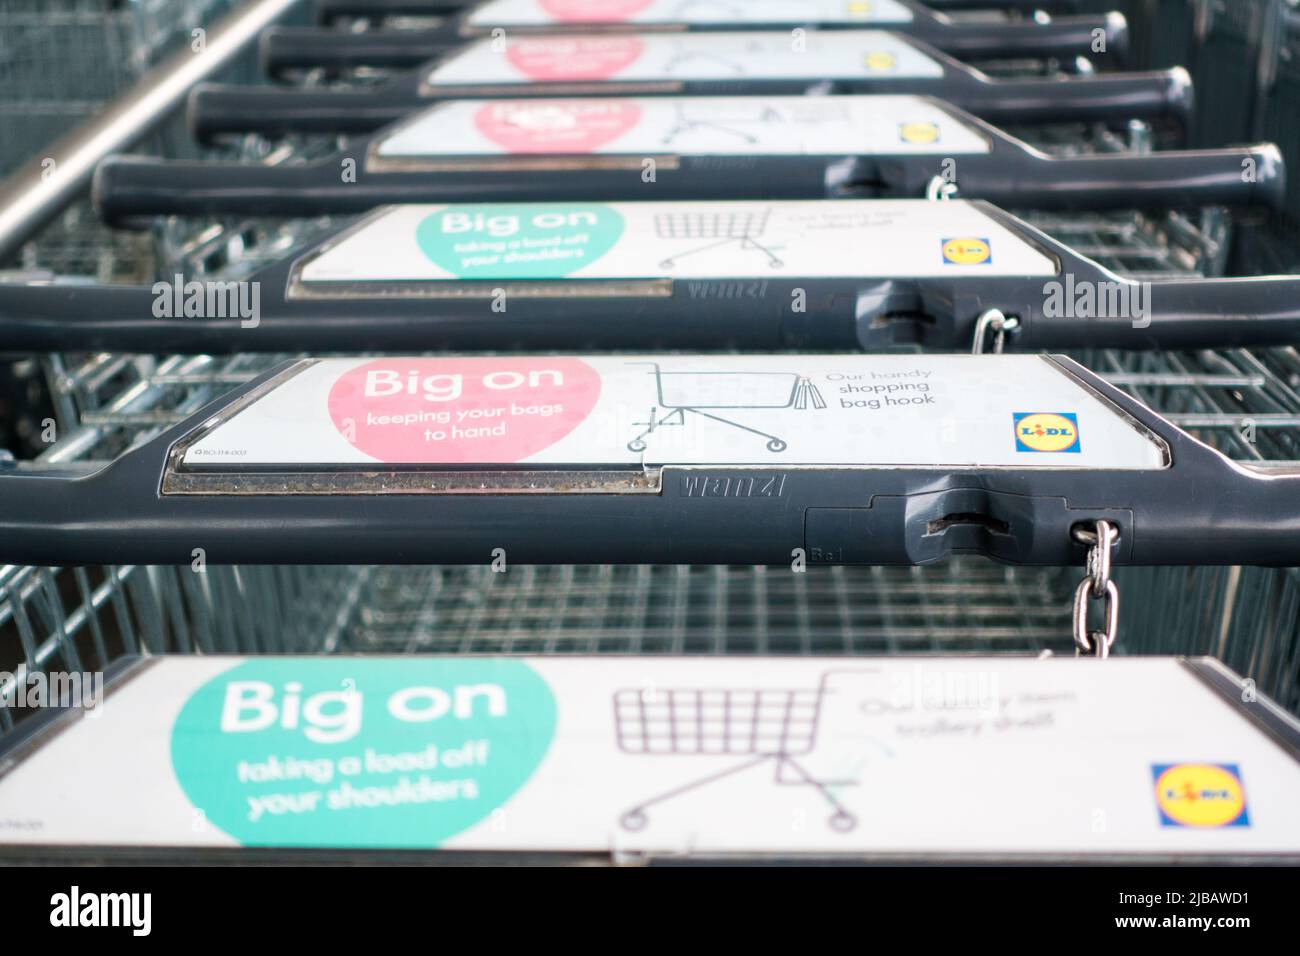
(698, 67)
(767, 726)
(680, 393)
(724, 228)
(1063, 38)
(1243, 402)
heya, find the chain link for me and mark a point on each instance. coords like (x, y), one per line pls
(1097, 586)
(939, 189)
(996, 322)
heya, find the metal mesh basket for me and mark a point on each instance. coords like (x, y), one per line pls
(62, 60)
(1245, 403)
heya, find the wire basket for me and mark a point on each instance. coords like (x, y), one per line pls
(63, 60)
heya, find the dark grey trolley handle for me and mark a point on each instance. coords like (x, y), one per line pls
(216, 110)
(129, 191)
(307, 48)
(869, 313)
(1202, 509)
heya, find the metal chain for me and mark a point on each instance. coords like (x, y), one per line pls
(939, 189)
(992, 321)
(1097, 586)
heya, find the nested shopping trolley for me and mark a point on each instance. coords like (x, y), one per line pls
(1246, 403)
(761, 726)
(706, 393)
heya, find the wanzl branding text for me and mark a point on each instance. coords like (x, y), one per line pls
(733, 486)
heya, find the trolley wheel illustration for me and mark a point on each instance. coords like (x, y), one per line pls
(841, 821)
(634, 820)
(636, 444)
(775, 445)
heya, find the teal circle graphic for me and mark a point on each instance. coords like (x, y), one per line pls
(360, 752)
(538, 241)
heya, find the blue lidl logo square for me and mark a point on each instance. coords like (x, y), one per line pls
(1047, 432)
(967, 251)
(1205, 796)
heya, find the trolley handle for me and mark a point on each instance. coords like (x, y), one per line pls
(1241, 312)
(129, 191)
(1169, 315)
(1063, 38)
(1202, 507)
(304, 48)
(217, 110)
(301, 48)
(1249, 176)
(1154, 94)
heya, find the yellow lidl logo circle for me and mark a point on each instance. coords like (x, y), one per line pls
(967, 251)
(1202, 795)
(860, 8)
(919, 132)
(1047, 431)
(881, 62)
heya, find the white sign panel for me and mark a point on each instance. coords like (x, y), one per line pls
(648, 57)
(538, 13)
(854, 410)
(853, 756)
(685, 126)
(852, 238)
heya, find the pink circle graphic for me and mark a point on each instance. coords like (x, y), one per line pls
(593, 11)
(556, 126)
(488, 411)
(569, 59)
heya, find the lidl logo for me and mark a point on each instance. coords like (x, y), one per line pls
(920, 133)
(967, 252)
(1047, 431)
(860, 8)
(1201, 795)
(881, 62)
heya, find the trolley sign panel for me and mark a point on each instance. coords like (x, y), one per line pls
(423, 247)
(539, 13)
(675, 57)
(632, 412)
(704, 125)
(660, 459)
(971, 757)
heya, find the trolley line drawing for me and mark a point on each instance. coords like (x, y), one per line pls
(721, 228)
(704, 392)
(683, 58)
(688, 120)
(765, 726)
